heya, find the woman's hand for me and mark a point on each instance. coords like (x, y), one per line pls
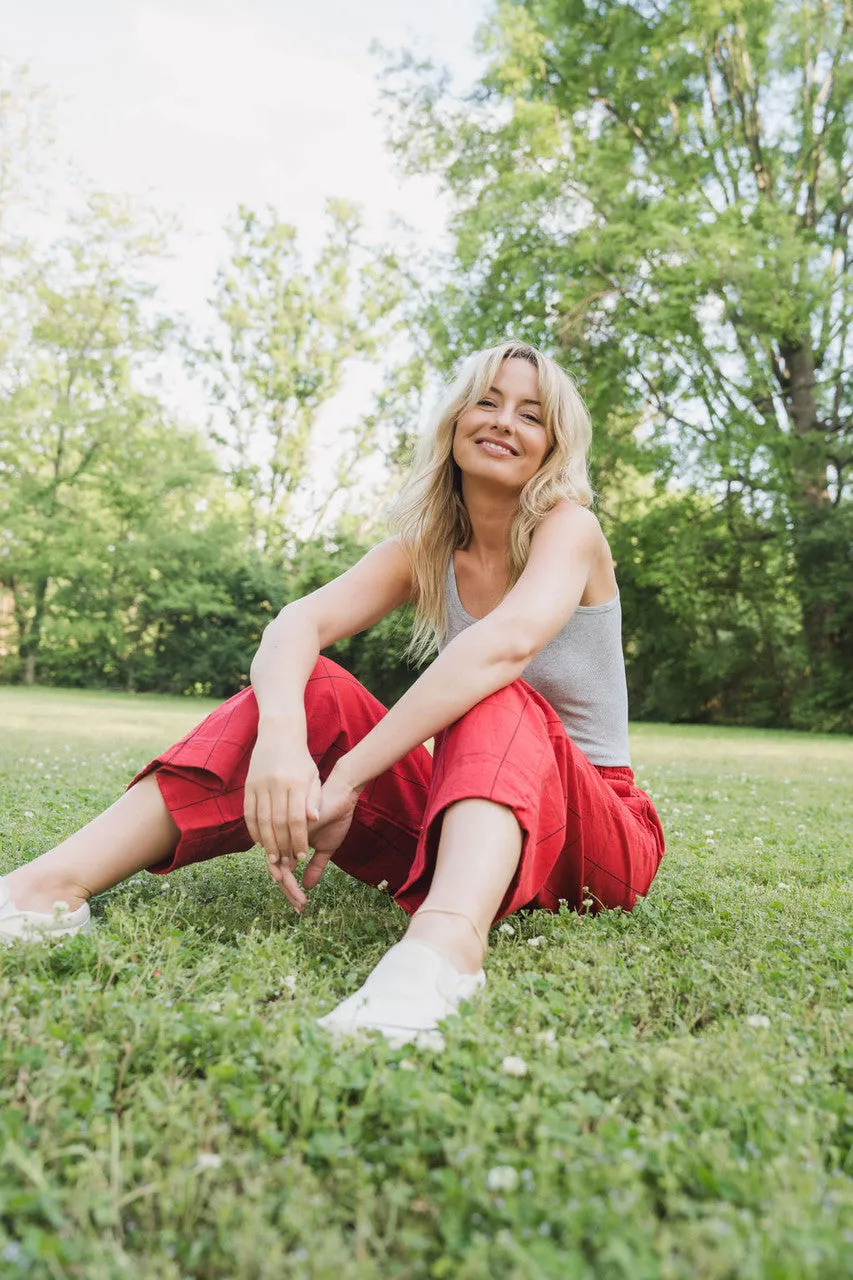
(282, 794)
(338, 799)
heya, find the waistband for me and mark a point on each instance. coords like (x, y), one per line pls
(619, 772)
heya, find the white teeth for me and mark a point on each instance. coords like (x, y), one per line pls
(494, 447)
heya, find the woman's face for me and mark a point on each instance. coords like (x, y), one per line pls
(502, 438)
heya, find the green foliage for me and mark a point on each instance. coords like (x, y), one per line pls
(179, 607)
(79, 441)
(710, 616)
(657, 194)
(168, 1107)
(660, 195)
(288, 330)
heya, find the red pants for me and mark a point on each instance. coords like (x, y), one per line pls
(588, 831)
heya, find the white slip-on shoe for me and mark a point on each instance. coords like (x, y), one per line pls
(410, 991)
(33, 926)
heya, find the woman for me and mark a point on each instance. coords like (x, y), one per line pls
(529, 799)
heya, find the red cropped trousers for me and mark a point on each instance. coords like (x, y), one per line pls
(588, 832)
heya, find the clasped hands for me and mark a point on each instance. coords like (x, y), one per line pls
(288, 810)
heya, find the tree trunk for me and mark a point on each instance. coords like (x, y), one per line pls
(817, 538)
(30, 646)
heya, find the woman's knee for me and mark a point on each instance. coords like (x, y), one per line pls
(503, 713)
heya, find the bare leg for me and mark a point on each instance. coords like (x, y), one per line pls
(134, 833)
(424, 978)
(478, 853)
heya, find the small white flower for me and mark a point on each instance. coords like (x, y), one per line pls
(710, 831)
(587, 902)
(28, 814)
(801, 826)
(537, 942)
(208, 1160)
(382, 886)
(782, 885)
(757, 840)
(758, 1020)
(289, 982)
(406, 1064)
(506, 927)
(502, 1178)
(797, 1079)
(547, 1037)
(215, 1006)
(514, 1067)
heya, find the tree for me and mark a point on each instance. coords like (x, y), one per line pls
(661, 192)
(288, 331)
(75, 414)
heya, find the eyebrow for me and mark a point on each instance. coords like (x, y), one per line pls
(498, 392)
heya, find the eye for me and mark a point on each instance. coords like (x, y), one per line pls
(531, 417)
(487, 404)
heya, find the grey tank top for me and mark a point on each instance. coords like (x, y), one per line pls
(581, 672)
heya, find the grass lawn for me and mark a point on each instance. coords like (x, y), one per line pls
(169, 1109)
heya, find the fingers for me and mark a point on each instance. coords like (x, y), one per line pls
(278, 806)
(282, 873)
(297, 824)
(314, 870)
(266, 830)
(291, 888)
(315, 792)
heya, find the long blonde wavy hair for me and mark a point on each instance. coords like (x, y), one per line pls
(429, 516)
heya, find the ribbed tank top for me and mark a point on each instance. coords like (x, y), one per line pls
(581, 672)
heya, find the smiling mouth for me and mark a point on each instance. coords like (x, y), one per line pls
(496, 449)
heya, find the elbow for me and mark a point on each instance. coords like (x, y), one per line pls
(514, 648)
(277, 628)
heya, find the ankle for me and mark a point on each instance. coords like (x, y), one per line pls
(33, 889)
(451, 936)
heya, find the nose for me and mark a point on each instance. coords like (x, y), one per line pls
(504, 418)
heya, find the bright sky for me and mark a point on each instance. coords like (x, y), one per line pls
(200, 104)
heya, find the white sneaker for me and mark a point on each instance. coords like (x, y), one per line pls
(30, 926)
(410, 991)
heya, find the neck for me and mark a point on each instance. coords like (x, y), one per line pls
(491, 514)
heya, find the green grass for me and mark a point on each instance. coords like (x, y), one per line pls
(169, 1109)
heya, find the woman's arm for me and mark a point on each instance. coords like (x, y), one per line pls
(282, 786)
(491, 653)
(291, 643)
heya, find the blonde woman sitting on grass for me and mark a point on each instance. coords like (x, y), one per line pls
(529, 799)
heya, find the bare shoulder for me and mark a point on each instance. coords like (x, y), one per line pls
(390, 560)
(571, 521)
(573, 534)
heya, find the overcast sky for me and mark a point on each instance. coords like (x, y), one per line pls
(198, 105)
